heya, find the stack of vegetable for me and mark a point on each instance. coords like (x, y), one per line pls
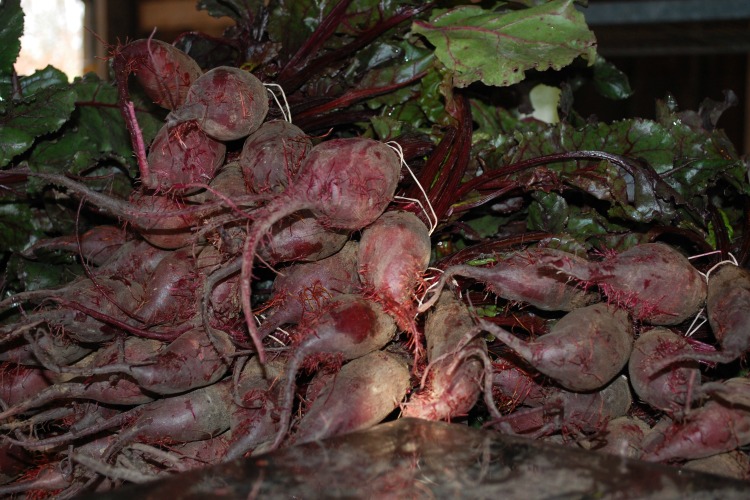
(238, 261)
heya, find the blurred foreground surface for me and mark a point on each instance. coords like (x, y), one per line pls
(412, 458)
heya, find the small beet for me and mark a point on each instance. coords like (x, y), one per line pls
(583, 351)
(228, 103)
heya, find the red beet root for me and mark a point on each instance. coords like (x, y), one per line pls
(394, 252)
(227, 103)
(671, 389)
(583, 351)
(272, 155)
(349, 327)
(359, 396)
(347, 183)
(454, 375)
(164, 71)
(520, 277)
(644, 279)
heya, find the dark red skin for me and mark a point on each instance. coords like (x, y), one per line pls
(709, 430)
(251, 427)
(583, 351)
(672, 389)
(623, 437)
(97, 245)
(102, 388)
(728, 307)
(301, 238)
(254, 419)
(163, 229)
(171, 292)
(57, 475)
(188, 362)
(18, 382)
(14, 461)
(227, 181)
(349, 327)
(199, 454)
(307, 287)
(181, 156)
(394, 252)
(131, 263)
(361, 394)
(59, 349)
(164, 72)
(345, 183)
(228, 103)
(192, 416)
(643, 279)
(571, 412)
(520, 277)
(514, 386)
(107, 297)
(84, 312)
(272, 155)
(135, 261)
(453, 383)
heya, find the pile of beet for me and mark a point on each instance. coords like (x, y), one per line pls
(171, 352)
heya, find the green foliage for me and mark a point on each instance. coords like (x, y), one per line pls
(610, 81)
(11, 29)
(22, 121)
(95, 132)
(497, 47)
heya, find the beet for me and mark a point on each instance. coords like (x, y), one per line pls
(583, 351)
(181, 156)
(305, 288)
(348, 328)
(709, 430)
(272, 155)
(456, 367)
(347, 183)
(643, 279)
(227, 103)
(394, 252)
(671, 389)
(164, 72)
(522, 277)
(359, 396)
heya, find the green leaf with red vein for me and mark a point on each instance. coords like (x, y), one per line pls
(496, 48)
(21, 122)
(95, 132)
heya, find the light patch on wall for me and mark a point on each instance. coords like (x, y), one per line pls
(53, 35)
